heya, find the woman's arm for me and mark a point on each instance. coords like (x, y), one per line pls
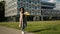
(21, 17)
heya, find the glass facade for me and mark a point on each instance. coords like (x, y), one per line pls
(32, 6)
(29, 5)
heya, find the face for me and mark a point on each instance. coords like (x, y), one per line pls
(21, 9)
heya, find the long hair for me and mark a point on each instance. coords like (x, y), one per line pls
(22, 8)
(22, 12)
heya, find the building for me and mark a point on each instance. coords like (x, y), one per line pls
(58, 4)
(34, 7)
(1, 0)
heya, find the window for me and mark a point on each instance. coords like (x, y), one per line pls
(39, 1)
(18, 5)
(21, 5)
(35, 2)
(24, 0)
(32, 7)
(29, 1)
(18, 0)
(35, 7)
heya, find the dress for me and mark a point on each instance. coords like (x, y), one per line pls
(23, 21)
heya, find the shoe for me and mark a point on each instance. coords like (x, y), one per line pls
(22, 32)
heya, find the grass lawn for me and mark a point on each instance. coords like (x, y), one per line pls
(37, 27)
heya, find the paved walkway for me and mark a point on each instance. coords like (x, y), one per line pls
(6, 30)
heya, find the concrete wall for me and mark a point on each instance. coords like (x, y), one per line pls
(10, 8)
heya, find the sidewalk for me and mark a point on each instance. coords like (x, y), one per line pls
(6, 30)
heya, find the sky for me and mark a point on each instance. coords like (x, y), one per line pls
(57, 1)
(44, 0)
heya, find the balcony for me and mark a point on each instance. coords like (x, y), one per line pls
(47, 6)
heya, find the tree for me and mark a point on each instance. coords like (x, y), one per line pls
(2, 10)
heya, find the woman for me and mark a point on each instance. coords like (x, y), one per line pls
(23, 20)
